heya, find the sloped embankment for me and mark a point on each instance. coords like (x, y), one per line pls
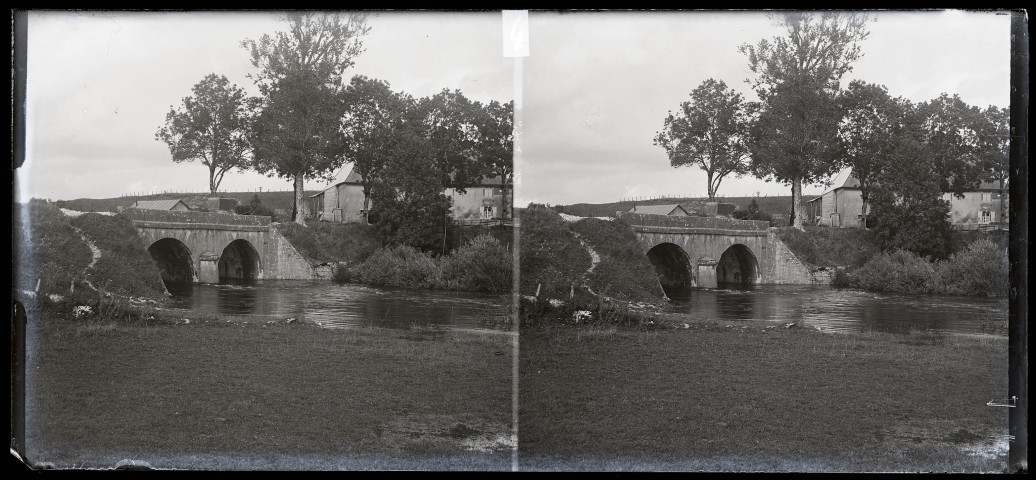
(60, 255)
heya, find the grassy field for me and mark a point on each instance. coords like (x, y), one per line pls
(755, 399)
(220, 395)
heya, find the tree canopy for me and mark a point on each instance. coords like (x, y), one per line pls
(798, 77)
(376, 119)
(298, 135)
(709, 132)
(211, 127)
(871, 122)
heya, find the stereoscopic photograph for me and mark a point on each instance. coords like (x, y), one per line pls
(266, 240)
(765, 241)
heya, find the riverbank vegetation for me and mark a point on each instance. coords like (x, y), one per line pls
(221, 394)
(560, 281)
(979, 269)
(484, 264)
(751, 398)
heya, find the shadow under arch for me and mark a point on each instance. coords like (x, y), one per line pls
(673, 269)
(737, 268)
(173, 259)
(239, 261)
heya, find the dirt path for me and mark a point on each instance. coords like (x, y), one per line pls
(94, 251)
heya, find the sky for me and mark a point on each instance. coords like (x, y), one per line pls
(598, 86)
(99, 85)
(593, 91)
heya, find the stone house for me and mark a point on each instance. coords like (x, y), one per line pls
(842, 204)
(342, 201)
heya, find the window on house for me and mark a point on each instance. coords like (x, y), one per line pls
(987, 197)
(487, 211)
(987, 216)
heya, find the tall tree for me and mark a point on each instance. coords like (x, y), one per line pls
(211, 126)
(449, 119)
(494, 142)
(952, 130)
(994, 143)
(298, 134)
(908, 207)
(797, 80)
(408, 199)
(870, 124)
(710, 132)
(376, 119)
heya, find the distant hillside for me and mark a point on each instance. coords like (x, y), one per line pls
(275, 200)
(780, 205)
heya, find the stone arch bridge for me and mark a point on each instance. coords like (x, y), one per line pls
(216, 247)
(714, 252)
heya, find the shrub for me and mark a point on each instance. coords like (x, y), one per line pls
(482, 265)
(400, 266)
(980, 269)
(899, 271)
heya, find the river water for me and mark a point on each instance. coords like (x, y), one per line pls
(331, 304)
(828, 309)
(838, 310)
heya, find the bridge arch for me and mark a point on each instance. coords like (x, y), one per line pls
(239, 261)
(174, 260)
(673, 268)
(738, 267)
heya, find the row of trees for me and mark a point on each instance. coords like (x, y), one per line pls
(309, 122)
(806, 126)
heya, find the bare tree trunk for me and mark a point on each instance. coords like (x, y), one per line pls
(796, 203)
(366, 206)
(212, 180)
(296, 211)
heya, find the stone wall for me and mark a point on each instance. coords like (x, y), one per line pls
(285, 262)
(788, 269)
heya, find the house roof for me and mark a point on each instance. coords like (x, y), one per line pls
(846, 179)
(657, 209)
(158, 204)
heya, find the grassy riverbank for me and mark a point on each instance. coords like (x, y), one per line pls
(755, 399)
(221, 395)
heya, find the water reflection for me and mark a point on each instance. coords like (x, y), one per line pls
(335, 305)
(831, 309)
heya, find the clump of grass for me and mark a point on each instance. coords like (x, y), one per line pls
(584, 310)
